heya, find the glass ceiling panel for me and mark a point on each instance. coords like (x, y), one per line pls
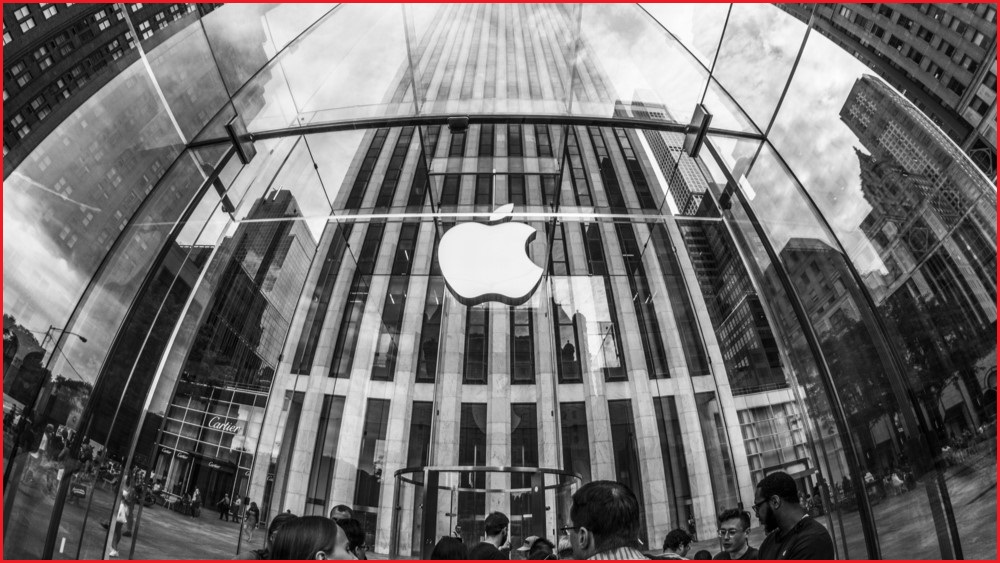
(757, 33)
(697, 26)
(580, 60)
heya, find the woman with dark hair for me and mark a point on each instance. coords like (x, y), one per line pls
(310, 537)
(355, 537)
(450, 548)
(272, 530)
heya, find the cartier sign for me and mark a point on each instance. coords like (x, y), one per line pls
(223, 424)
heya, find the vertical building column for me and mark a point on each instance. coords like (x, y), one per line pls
(498, 408)
(744, 486)
(546, 376)
(445, 431)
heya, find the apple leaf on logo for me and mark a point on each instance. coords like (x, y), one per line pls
(502, 213)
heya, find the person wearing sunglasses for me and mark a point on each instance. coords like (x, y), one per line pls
(734, 525)
(792, 533)
(605, 518)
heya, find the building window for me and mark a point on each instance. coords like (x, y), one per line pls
(522, 345)
(6, 37)
(23, 80)
(37, 103)
(515, 146)
(472, 451)
(567, 343)
(626, 454)
(955, 86)
(350, 323)
(324, 455)
(371, 460)
(978, 38)
(104, 24)
(136, 7)
(16, 120)
(558, 264)
(48, 11)
(844, 12)
(674, 458)
(515, 183)
(21, 13)
(430, 332)
(486, 140)
(450, 188)
(390, 181)
(457, 146)
(575, 439)
(16, 69)
(354, 199)
(23, 131)
(477, 330)
(979, 106)
(543, 140)
(594, 247)
(27, 25)
(990, 81)
(484, 189)
(523, 453)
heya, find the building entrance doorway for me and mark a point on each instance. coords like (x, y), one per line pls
(432, 502)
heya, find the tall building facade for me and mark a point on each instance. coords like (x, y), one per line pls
(614, 336)
(942, 57)
(58, 55)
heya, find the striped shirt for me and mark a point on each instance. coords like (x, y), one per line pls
(620, 553)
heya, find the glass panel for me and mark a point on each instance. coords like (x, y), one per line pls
(181, 60)
(614, 66)
(757, 32)
(244, 37)
(698, 27)
(918, 222)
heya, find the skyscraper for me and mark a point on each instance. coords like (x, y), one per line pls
(942, 57)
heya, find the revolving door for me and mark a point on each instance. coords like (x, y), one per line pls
(431, 502)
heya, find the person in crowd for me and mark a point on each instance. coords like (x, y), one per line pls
(355, 537)
(449, 547)
(542, 549)
(196, 503)
(310, 537)
(605, 522)
(223, 506)
(341, 512)
(272, 530)
(236, 509)
(702, 554)
(676, 545)
(526, 546)
(252, 518)
(496, 544)
(734, 525)
(121, 519)
(792, 533)
(565, 548)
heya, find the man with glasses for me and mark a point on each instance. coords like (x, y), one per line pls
(734, 525)
(605, 518)
(792, 533)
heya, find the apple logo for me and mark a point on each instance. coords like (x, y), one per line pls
(483, 263)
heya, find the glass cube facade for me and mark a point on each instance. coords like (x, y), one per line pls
(221, 274)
